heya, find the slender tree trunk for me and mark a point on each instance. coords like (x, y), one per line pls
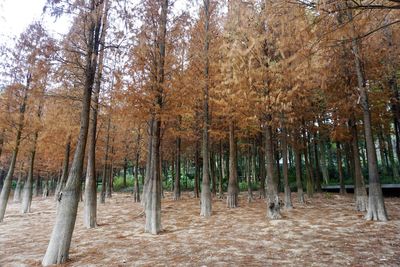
(136, 190)
(233, 188)
(177, 181)
(317, 166)
(261, 159)
(273, 205)
(249, 174)
(288, 199)
(19, 185)
(299, 184)
(197, 171)
(221, 170)
(213, 174)
(205, 188)
(5, 191)
(340, 168)
(310, 174)
(395, 170)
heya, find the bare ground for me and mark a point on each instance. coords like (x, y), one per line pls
(324, 232)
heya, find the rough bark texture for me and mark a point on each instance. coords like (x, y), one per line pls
(233, 188)
(393, 164)
(58, 249)
(205, 209)
(273, 205)
(299, 184)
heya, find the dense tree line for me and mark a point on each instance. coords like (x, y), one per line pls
(259, 95)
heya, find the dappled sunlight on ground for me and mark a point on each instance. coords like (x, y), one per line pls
(324, 232)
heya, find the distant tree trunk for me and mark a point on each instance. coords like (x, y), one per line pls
(299, 184)
(213, 174)
(395, 170)
(221, 169)
(196, 171)
(273, 205)
(5, 191)
(261, 159)
(233, 188)
(288, 199)
(309, 171)
(19, 185)
(249, 174)
(205, 189)
(317, 165)
(340, 168)
(125, 172)
(177, 181)
(136, 190)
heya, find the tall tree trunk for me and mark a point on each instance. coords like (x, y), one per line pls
(309, 171)
(340, 168)
(136, 190)
(213, 174)
(323, 161)
(233, 188)
(205, 188)
(317, 166)
(262, 172)
(249, 173)
(58, 250)
(90, 203)
(273, 206)
(221, 169)
(153, 197)
(197, 171)
(177, 181)
(376, 204)
(299, 184)
(288, 199)
(5, 191)
(104, 179)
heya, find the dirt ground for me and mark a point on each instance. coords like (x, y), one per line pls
(324, 232)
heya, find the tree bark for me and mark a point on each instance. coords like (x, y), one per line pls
(177, 181)
(262, 173)
(393, 164)
(58, 249)
(64, 174)
(136, 190)
(233, 188)
(221, 170)
(197, 171)
(273, 205)
(288, 199)
(340, 168)
(206, 207)
(299, 184)
(376, 205)
(359, 187)
(19, 185)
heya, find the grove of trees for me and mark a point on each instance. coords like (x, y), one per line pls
(212, 97)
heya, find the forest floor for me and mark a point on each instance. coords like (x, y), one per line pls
(324, 232)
